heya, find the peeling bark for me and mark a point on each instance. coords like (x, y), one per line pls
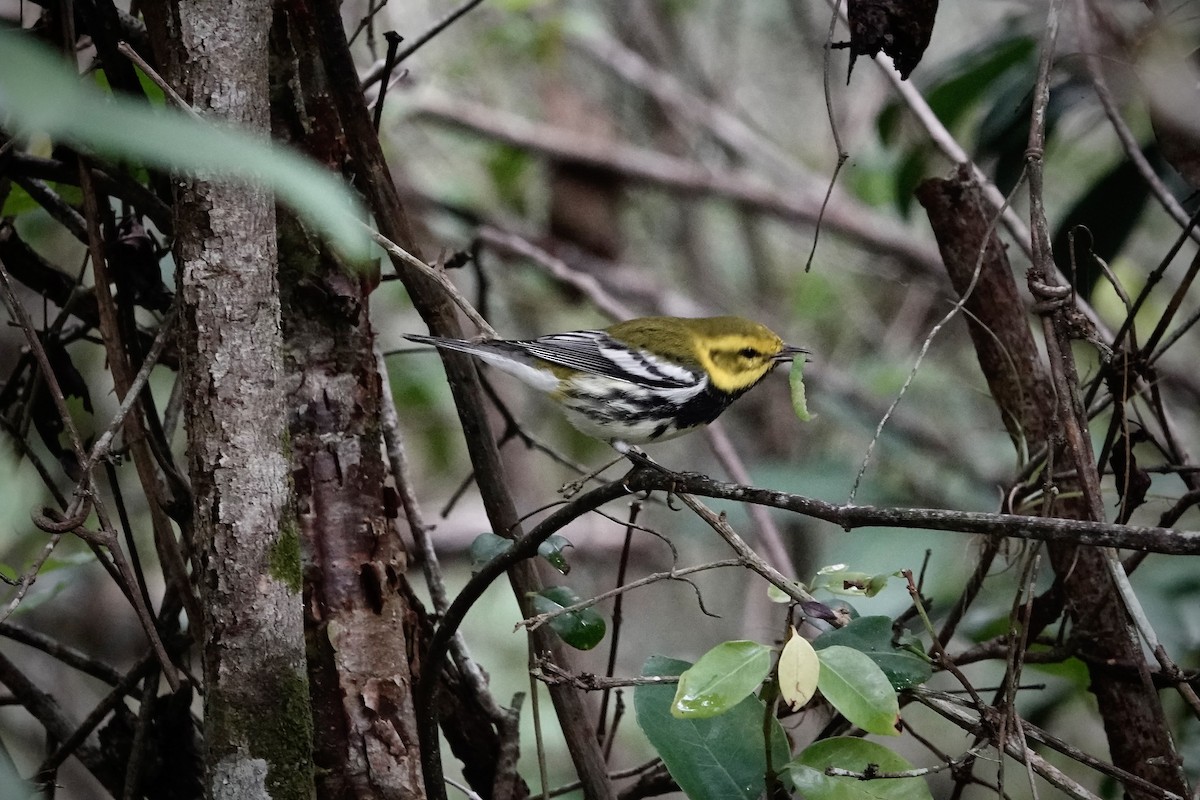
(359, 618)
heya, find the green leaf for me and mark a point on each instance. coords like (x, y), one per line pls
(583, 629)
(838, 579)
(552, 550)
(799, 400)
(485, 547)
(973, 73)
(913, 169)
(1122, 186)
(968, 79)
(718, 758)
(777, 595)
(722, 678)
(66, 561)
(40, 94)
(873, 636)
(58, 573)
(858, 688)
(19, 202)
(807, 772)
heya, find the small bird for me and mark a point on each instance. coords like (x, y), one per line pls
(639, 381)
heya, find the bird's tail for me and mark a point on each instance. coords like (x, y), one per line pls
(474, 348)
(505, 356)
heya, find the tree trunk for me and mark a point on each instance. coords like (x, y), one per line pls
(358, 619)
(258, 728)
(373, 179)
(1138, 735)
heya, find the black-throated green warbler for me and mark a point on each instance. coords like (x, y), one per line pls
(643, 380)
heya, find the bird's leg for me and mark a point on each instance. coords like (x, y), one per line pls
(640, 459)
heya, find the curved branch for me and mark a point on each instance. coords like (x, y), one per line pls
(848, 517)
(522, 548)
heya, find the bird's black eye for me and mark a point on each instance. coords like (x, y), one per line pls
(748, 352)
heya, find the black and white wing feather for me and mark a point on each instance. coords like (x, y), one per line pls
(597, 353)
(590, 352)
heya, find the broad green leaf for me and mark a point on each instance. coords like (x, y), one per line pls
(40, 94)
(19, 202)
(552, 550)
(149, 88)
(974, 72)
(969, 78)
(807, 772)
(62, 560)
(719, 758)
(1123, 186)
(873, 636)
(583, 630)
(837, 578)
(485, 547)
(908, 174)
(799, 399)
(57, 574)
(722, 678)
(798, 671)
(777, 595)
(858, 688)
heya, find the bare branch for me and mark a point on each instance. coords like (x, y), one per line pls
(842, 216)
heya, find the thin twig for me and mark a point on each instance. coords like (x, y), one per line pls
(952, 709)
(751, 559)
(670, 575)
(618, 775)
(437, 276)
(101, 447)
(842, 154)
(376, 74)
(127, 50)
(512, 244)
(959, 305)
(916, 772)
(1052, 774)
(635, 508)
(769, 535)
(398, 461)
(551, 674)
(844, 216)
(1129, 143)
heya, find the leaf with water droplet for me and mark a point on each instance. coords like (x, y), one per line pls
(721, 679)
(583, 629)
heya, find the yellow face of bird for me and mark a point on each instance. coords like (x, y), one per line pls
(736, 353)
(736, 361)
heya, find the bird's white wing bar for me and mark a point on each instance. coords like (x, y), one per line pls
(598, 353)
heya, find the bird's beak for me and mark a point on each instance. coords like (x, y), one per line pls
(789, 353)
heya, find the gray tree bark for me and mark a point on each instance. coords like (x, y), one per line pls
(258, 728)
